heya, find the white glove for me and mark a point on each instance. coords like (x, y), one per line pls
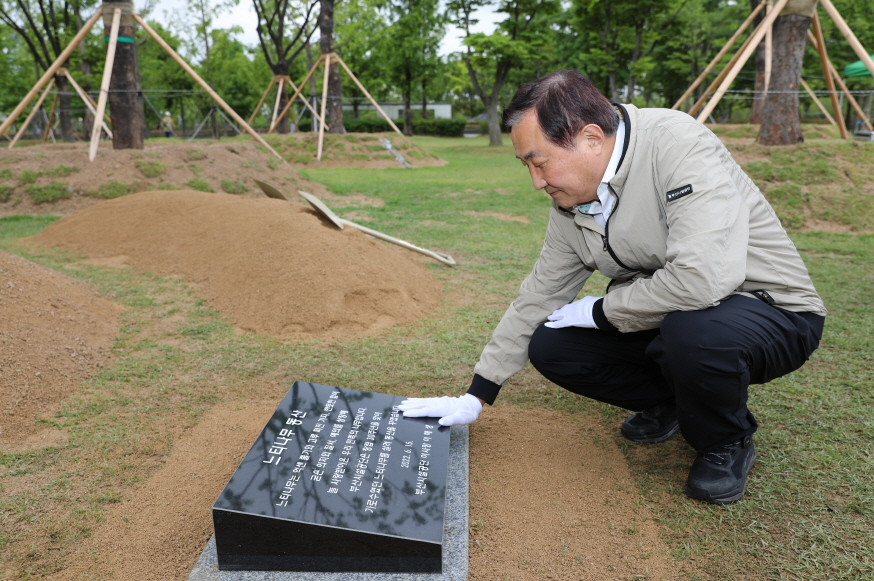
(451, 410)
(575, 314)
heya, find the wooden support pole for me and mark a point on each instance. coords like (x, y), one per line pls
(261, 102)
(324, 105)
(748, 51)
(769, 54)
(104, 84)
(45, 134)
(50, 73)
(89, 102)
(305, 102)
(204, 85)
(719, 56)
(297, 93)
(366, 94)
(837, 77)
(32, 113)
(848, 34)
(818, 104)
(722, 74)
(829, 82)
(276, 104)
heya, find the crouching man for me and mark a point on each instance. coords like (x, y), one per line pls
(708, 294)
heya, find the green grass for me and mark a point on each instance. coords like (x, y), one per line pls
(62, 171)
(234, 187)
(151, 169)
(28, 176)
(50, 193)
(5, 193)
(809, 511)
(199, 185)
(112, 189)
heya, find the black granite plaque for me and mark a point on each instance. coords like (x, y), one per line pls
(337, 481)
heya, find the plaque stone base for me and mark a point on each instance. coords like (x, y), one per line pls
(455, 537)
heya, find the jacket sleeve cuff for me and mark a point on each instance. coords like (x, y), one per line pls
(484, 389)
(600, 318)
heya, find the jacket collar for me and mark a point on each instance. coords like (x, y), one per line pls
(629, 115)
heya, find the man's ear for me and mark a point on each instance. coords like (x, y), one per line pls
(591, 136)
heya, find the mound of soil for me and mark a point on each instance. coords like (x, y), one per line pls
(55, 334)
(268, 265)
(59, 178)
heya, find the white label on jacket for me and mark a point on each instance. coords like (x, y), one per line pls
(679, 193)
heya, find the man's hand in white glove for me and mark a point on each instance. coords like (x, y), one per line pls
(575, 314)
(451, 410)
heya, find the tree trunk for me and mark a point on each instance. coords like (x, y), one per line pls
(63, 111)
(424, 98)
(408, 106)
(334, 111)
(759, 87)
(494, 120)
(124, 105)
(781, 120)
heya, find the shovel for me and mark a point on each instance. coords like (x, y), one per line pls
(325, 211)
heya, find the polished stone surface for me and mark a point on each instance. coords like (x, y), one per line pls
(455, 537)
(338, 480)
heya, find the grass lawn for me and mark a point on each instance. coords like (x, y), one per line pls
(809, 513)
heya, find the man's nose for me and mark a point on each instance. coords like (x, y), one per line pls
(537, 179)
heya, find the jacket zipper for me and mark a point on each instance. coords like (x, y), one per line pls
(605, 237)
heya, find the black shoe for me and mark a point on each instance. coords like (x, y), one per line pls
(720, 476)
(656, 424)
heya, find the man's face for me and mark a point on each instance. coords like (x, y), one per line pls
(569, 176)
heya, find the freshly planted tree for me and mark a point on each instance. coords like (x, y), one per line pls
(284, 30)
(334, 112)
(781, 119)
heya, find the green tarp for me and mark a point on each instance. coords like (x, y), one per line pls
(857, 69)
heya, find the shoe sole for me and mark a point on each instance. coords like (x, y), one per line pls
(655, 438)
(729, 497)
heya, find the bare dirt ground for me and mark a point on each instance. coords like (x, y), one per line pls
(55, 333)
(268, 265)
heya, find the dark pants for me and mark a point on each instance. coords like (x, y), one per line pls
(704, 360)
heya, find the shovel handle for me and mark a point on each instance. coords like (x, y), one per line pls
(444, 258)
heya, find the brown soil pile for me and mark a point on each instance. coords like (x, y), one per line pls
(547, 503)
(551, 499)
(55, 333)
(269, 266)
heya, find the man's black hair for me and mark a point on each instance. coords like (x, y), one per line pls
(564, 101)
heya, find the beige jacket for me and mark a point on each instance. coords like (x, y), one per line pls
(689, 229)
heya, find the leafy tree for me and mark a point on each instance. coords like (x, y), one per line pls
(238, 77)
(17, 74)
(413, 40)
(621, 40)
(360, 32)
(490, 58)
(158, 71)
(46, 27)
